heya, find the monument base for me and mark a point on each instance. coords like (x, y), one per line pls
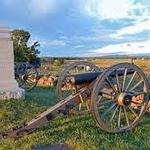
(12, 94)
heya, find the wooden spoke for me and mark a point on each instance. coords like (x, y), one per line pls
(135, 86)
(118, 84)
(108, 110)
(111, 85)
(31, 80)
(138, 93)
(105, 93)
(132, 110)
(76, 68)
(80, 106)
(130, 81)
(32, 73)
(87, 105)
(125, 113)
(114, 113)
(99, 100)
(124, 79)
(28, 83)
(106, 102)
(119, 116)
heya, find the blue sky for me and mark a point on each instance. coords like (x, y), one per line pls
(82, 27)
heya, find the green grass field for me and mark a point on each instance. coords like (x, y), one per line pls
(79, 132)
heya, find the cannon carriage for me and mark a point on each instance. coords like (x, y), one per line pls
(117, 97)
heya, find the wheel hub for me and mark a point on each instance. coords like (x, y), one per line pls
(124, 99)
(24, 77)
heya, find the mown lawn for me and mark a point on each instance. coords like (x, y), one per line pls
(79, 132)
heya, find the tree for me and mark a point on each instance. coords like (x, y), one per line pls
(23, 52)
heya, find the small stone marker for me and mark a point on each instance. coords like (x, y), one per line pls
(8, 85)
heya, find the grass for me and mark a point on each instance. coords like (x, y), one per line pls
(80, 132)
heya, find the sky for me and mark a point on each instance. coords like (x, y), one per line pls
(82, 28)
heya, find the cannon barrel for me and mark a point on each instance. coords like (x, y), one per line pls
(83, 78)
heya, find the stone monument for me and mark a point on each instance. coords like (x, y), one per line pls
(8, 85)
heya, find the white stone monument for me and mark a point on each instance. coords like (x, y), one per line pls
(8, 85)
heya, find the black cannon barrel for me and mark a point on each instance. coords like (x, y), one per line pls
(83, 78)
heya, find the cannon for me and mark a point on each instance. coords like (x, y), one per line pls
(117, 97)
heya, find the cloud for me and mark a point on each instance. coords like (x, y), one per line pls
(141, 22)
(106, 9)
(137, 11)
(40, 8)
(136, 28)
(53, 43)
(128, 48)
(114, 9)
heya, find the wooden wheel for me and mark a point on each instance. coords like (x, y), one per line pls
(65, 89)
(28, 80)
(119, 109)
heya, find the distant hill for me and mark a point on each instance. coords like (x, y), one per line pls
(107, 56)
